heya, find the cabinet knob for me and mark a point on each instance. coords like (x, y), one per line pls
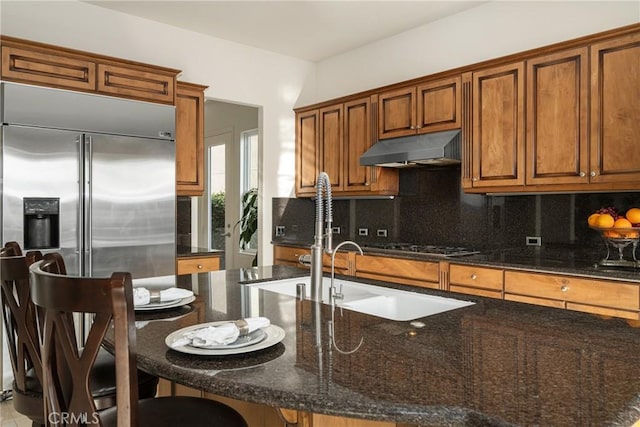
(582, 174)
(199, 266)
(418, 127)
(474, 179)
(564, 288)
(412, 127)
(473, 276)
(593, 173)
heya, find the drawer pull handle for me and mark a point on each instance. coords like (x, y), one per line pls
(564, 288)
(474, 276)
(199, 266)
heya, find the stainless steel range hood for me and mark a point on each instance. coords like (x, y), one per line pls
(439, 148)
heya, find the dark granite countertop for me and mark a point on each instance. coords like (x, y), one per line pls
(561, 260)
(493, 363)
(193, 251)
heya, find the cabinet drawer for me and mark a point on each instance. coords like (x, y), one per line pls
(476, 277)
(397, 270)
(198, 264)
(604, 293)
(286, 253)
(50, 69)
(147, 85)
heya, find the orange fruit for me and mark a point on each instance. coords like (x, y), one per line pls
(605, 221)
(593, 219)
(622, 223)
(633, 215)
(612, 234)
(632, 235)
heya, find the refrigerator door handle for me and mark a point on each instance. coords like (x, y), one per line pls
(80, 212)
(87, 220)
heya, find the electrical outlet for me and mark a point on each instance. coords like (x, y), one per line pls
(335, 230)
(279, 230)
(534, 241)
(363, 231)
(382, 232)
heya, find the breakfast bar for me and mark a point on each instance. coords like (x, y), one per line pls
(492, 363)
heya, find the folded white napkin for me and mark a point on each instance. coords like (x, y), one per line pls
(223, 334)
(142, 296)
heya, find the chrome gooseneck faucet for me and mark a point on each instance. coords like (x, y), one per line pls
(323, 234)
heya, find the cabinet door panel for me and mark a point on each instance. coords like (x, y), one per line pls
(147, 85)
(331, 123)
(189, 139)
(438, 106)
(50, 69)
(357, 138)
(615, 88)
(397, 113)
(307, 153)
(498, 126)
(557, 112)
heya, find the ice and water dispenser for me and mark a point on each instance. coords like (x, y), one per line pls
(41, 223)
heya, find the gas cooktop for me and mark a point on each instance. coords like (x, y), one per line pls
(433, 250)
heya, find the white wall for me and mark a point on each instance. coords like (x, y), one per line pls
(487, 31)
(233, 72)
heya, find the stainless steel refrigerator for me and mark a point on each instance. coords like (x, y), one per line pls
(90, 176)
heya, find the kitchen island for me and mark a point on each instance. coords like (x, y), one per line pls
(493, 363)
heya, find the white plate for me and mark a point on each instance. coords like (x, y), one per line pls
(166, 304)
(274, 334)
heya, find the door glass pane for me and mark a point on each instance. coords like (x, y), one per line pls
(217, 199)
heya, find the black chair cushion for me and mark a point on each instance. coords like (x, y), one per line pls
(179, 411)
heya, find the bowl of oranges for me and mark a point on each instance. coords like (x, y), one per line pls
(619, 231)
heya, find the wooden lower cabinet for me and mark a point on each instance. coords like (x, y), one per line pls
(604, 297)
(425, 274)
(203, 264)
(481, 281)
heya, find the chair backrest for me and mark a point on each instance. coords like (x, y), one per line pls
(66, 370)
(19, 313)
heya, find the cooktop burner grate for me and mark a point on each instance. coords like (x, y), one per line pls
(445, 251)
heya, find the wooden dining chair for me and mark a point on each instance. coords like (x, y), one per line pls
(66, 370)
(19, 316)
(21, 324)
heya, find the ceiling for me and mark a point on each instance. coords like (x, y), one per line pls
(309, 30)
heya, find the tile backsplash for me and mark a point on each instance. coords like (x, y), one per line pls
(431, 208)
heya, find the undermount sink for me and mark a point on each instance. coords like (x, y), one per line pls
(393, 304)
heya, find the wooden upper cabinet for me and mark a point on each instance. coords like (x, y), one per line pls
(41, 64)
(332, 139)
(557, 118)
(47, 68)
(615, 110)
(189, 139)
(307, 152)
(136, 82)
(429, 107)
(498, 126)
